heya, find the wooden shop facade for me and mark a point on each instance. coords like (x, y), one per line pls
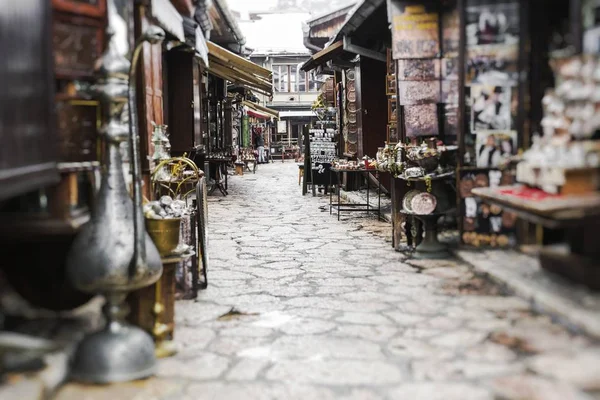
(465, 103)
(51, 162)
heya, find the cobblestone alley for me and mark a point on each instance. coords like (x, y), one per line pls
(328, 310)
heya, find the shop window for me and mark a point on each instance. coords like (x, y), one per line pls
(313, 84)
(280, 78)
(289, 78)
(293, 77)
(302, 78)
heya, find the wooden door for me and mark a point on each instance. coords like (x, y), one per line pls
(153, 97)
(28, 152)
(197, 102)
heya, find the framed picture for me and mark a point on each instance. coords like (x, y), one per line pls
(392, 109)
(392, 134)
(390, 85)
(490, 108)
(494, 147)
(391, 64)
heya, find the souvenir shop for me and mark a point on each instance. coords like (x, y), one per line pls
(502, 149)
(257, 121)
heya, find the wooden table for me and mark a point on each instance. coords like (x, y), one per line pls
(578, 215)
(153, 307)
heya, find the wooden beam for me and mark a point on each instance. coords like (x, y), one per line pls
(323, 56)
(363, 51)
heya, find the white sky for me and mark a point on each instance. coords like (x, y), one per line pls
(276, 33)
(251, 5)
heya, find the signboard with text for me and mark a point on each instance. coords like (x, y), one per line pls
(415, 29)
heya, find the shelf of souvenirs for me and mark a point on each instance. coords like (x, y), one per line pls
(572, 106)
(557, 165)
(219, 155)
(425, 161)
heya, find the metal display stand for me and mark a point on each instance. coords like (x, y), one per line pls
(365, 207)
(430, 247)
(220, 176)
(202, 238)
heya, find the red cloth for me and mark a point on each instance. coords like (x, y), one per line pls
(528, 193)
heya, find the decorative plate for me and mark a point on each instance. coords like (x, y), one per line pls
(350, 75)
(351, 96)
(351, 86)
(351, 107)
(407, 201)
(352, 147)
(423, 203)
(352, 118)
(352, 128)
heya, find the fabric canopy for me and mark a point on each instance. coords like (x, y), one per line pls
(259, 115)
(261, 110)
(236, 69)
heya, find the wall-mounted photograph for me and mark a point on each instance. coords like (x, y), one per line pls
(392, 109)
(494, 147)
(496, 23)
(493, 65)
(390, 84)
(392, 134)
(490, 108)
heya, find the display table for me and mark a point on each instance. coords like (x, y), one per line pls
(363, 207)
(578, 215)
(220, 175)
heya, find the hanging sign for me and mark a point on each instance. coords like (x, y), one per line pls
(415, 29)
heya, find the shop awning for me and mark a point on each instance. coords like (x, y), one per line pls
(230, 66)
(327, 54)
(257, 114)
(168, 18)
(299, 113)
(266, 112)
(201, 47)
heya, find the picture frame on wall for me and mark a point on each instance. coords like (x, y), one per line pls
(392, 109)
(390, 85)
(392, 134)
(391, 63)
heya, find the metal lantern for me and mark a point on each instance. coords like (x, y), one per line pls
(113, 255)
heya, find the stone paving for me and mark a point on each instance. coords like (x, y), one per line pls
(328, 310)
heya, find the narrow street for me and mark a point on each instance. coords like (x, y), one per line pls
(301, 306)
